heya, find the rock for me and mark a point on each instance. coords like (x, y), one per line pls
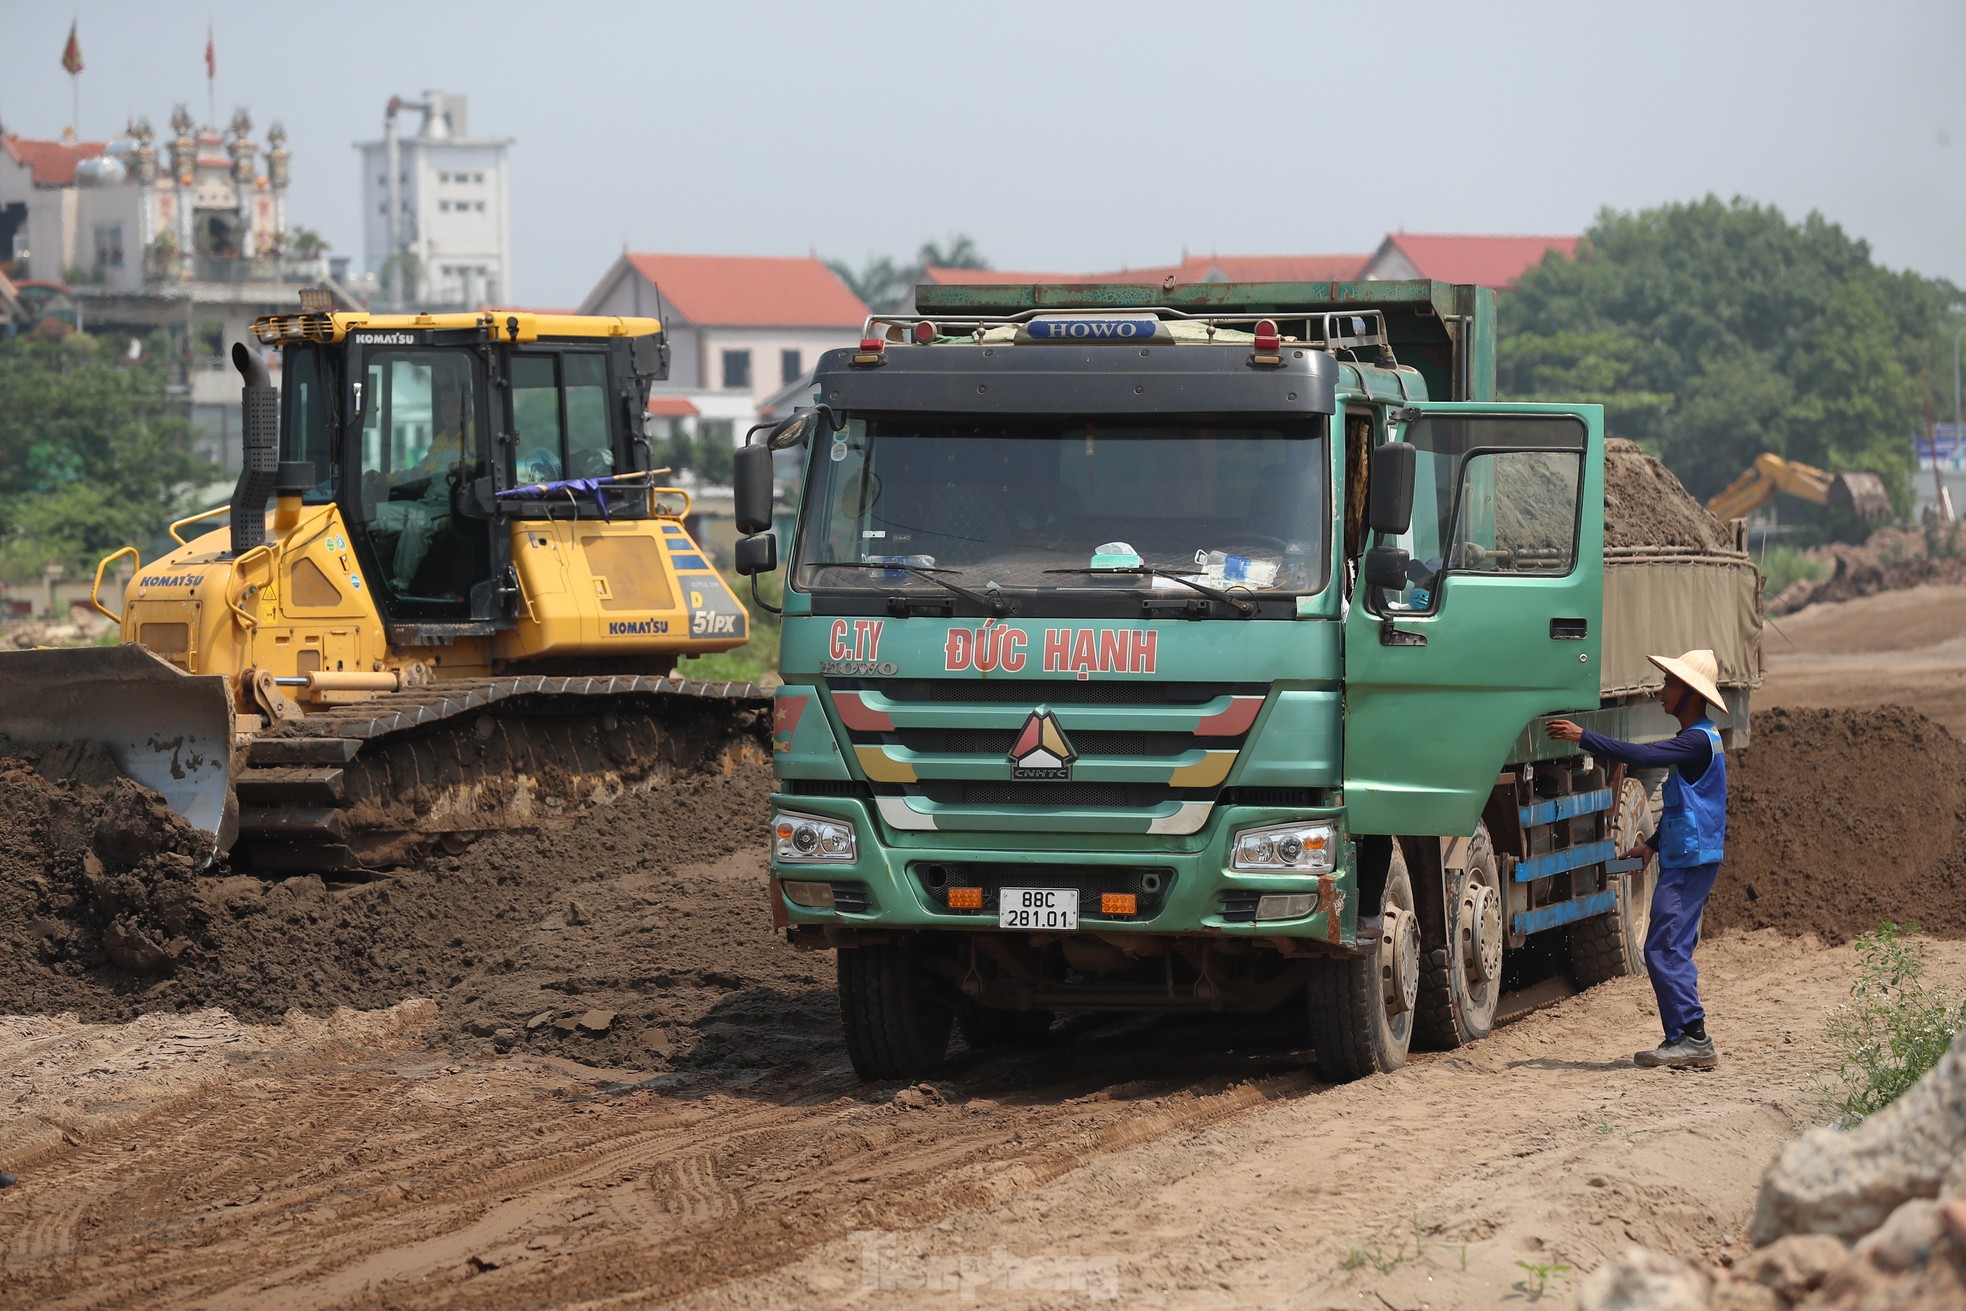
(480, 1028)
(1793, 1265)
(1734, 1295)
(1640, 1280)
(539, 1021)
(1845, 1182)
(595, 1022)
(1905, 1241)
(576, 913)
(1953, 1216)
(505, 1038)
(658, 1042)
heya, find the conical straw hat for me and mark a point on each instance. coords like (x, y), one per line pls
(1698, 670)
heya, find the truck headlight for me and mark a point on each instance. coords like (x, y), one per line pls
(1290, 848)
(800, 838)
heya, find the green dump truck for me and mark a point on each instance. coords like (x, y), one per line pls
(1186, 649)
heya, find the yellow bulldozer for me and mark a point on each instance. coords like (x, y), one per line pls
(447, 597)
(1862, 494)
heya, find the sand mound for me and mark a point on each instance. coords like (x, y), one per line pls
(1840, 820)
(637, 936)
(96, 873)
(1891, 560)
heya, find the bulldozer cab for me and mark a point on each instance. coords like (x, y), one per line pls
(413, 433)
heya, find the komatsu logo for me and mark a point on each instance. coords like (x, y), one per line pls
(1042, 752)
(638, 627)
(384, 339)
(171, 580)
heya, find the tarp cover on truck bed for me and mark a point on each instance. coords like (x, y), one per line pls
(1674, 579)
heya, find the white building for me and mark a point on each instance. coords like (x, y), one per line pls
(740, 327)
(451, 235)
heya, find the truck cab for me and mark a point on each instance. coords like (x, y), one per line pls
(1163, 651)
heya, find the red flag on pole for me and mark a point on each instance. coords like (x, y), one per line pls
(211, 59)
(71, 54)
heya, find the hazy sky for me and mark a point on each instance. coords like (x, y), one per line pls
(1065, 136)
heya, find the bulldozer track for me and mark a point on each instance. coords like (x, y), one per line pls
(374, 784)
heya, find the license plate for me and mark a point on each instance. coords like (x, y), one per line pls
(1038, 908)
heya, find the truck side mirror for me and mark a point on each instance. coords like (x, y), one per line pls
(757, 554)
(1385, 567)
(1389, 506)
(751, 488)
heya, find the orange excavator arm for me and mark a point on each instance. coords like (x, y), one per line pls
(1862, 493)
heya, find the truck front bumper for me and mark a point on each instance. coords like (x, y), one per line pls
(1186, 890)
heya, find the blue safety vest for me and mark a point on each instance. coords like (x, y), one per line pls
(1693, 830)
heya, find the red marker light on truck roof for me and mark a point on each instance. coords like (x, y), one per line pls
(924, 332)
(870, 350)
(1267, 338)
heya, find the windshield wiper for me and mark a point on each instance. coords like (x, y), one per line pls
(993, 601)
(1243, 607)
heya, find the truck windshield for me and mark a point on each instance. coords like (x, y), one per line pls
(1010, 503)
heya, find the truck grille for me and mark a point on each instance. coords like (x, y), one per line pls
(1139, 748)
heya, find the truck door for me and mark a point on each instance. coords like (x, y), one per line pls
(1498, 621)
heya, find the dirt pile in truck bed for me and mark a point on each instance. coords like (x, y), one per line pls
(1645, 505)
(1840, 820)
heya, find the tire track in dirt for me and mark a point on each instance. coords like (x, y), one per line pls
(653, 1194)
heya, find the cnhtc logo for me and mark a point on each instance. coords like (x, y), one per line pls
(1042, 752)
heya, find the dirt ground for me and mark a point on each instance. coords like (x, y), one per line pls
(576, 1069)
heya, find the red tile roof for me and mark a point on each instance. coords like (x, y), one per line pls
(51, 162)
(672, 407)
(942, 277)
(1271, 268)
(757, 291)
(1486, 261)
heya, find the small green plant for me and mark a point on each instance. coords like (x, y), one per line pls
(1895, 1026)
(1536, 1282)
(1783, 564)
(1379, 1258)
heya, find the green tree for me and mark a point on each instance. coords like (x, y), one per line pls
(93, 453)
(882, 282)
(1712, 331)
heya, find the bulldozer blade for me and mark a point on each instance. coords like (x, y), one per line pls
(166, 729)
(1861, 493)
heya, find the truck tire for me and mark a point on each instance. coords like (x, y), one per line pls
(897, 1026)
(1461, 980)
(986, 1026)
(1613, 946)
(1362, 1008)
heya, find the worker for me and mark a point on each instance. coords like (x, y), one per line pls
(416, 521)
(1689, 842)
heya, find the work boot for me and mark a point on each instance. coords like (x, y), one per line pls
(1682, 1053)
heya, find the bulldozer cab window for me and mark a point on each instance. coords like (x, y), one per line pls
(559, 406)
(1492, 494)
(309, 429)
(421, 445)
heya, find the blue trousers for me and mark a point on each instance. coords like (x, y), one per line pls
(1677, 904)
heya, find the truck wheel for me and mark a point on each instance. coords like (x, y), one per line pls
(1462, 979)
(1362, 1008)
(897, 1026)
(1612, 946)
(986, 1026)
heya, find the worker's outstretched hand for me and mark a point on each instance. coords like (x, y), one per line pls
(1562, 730)
(1641, 850)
